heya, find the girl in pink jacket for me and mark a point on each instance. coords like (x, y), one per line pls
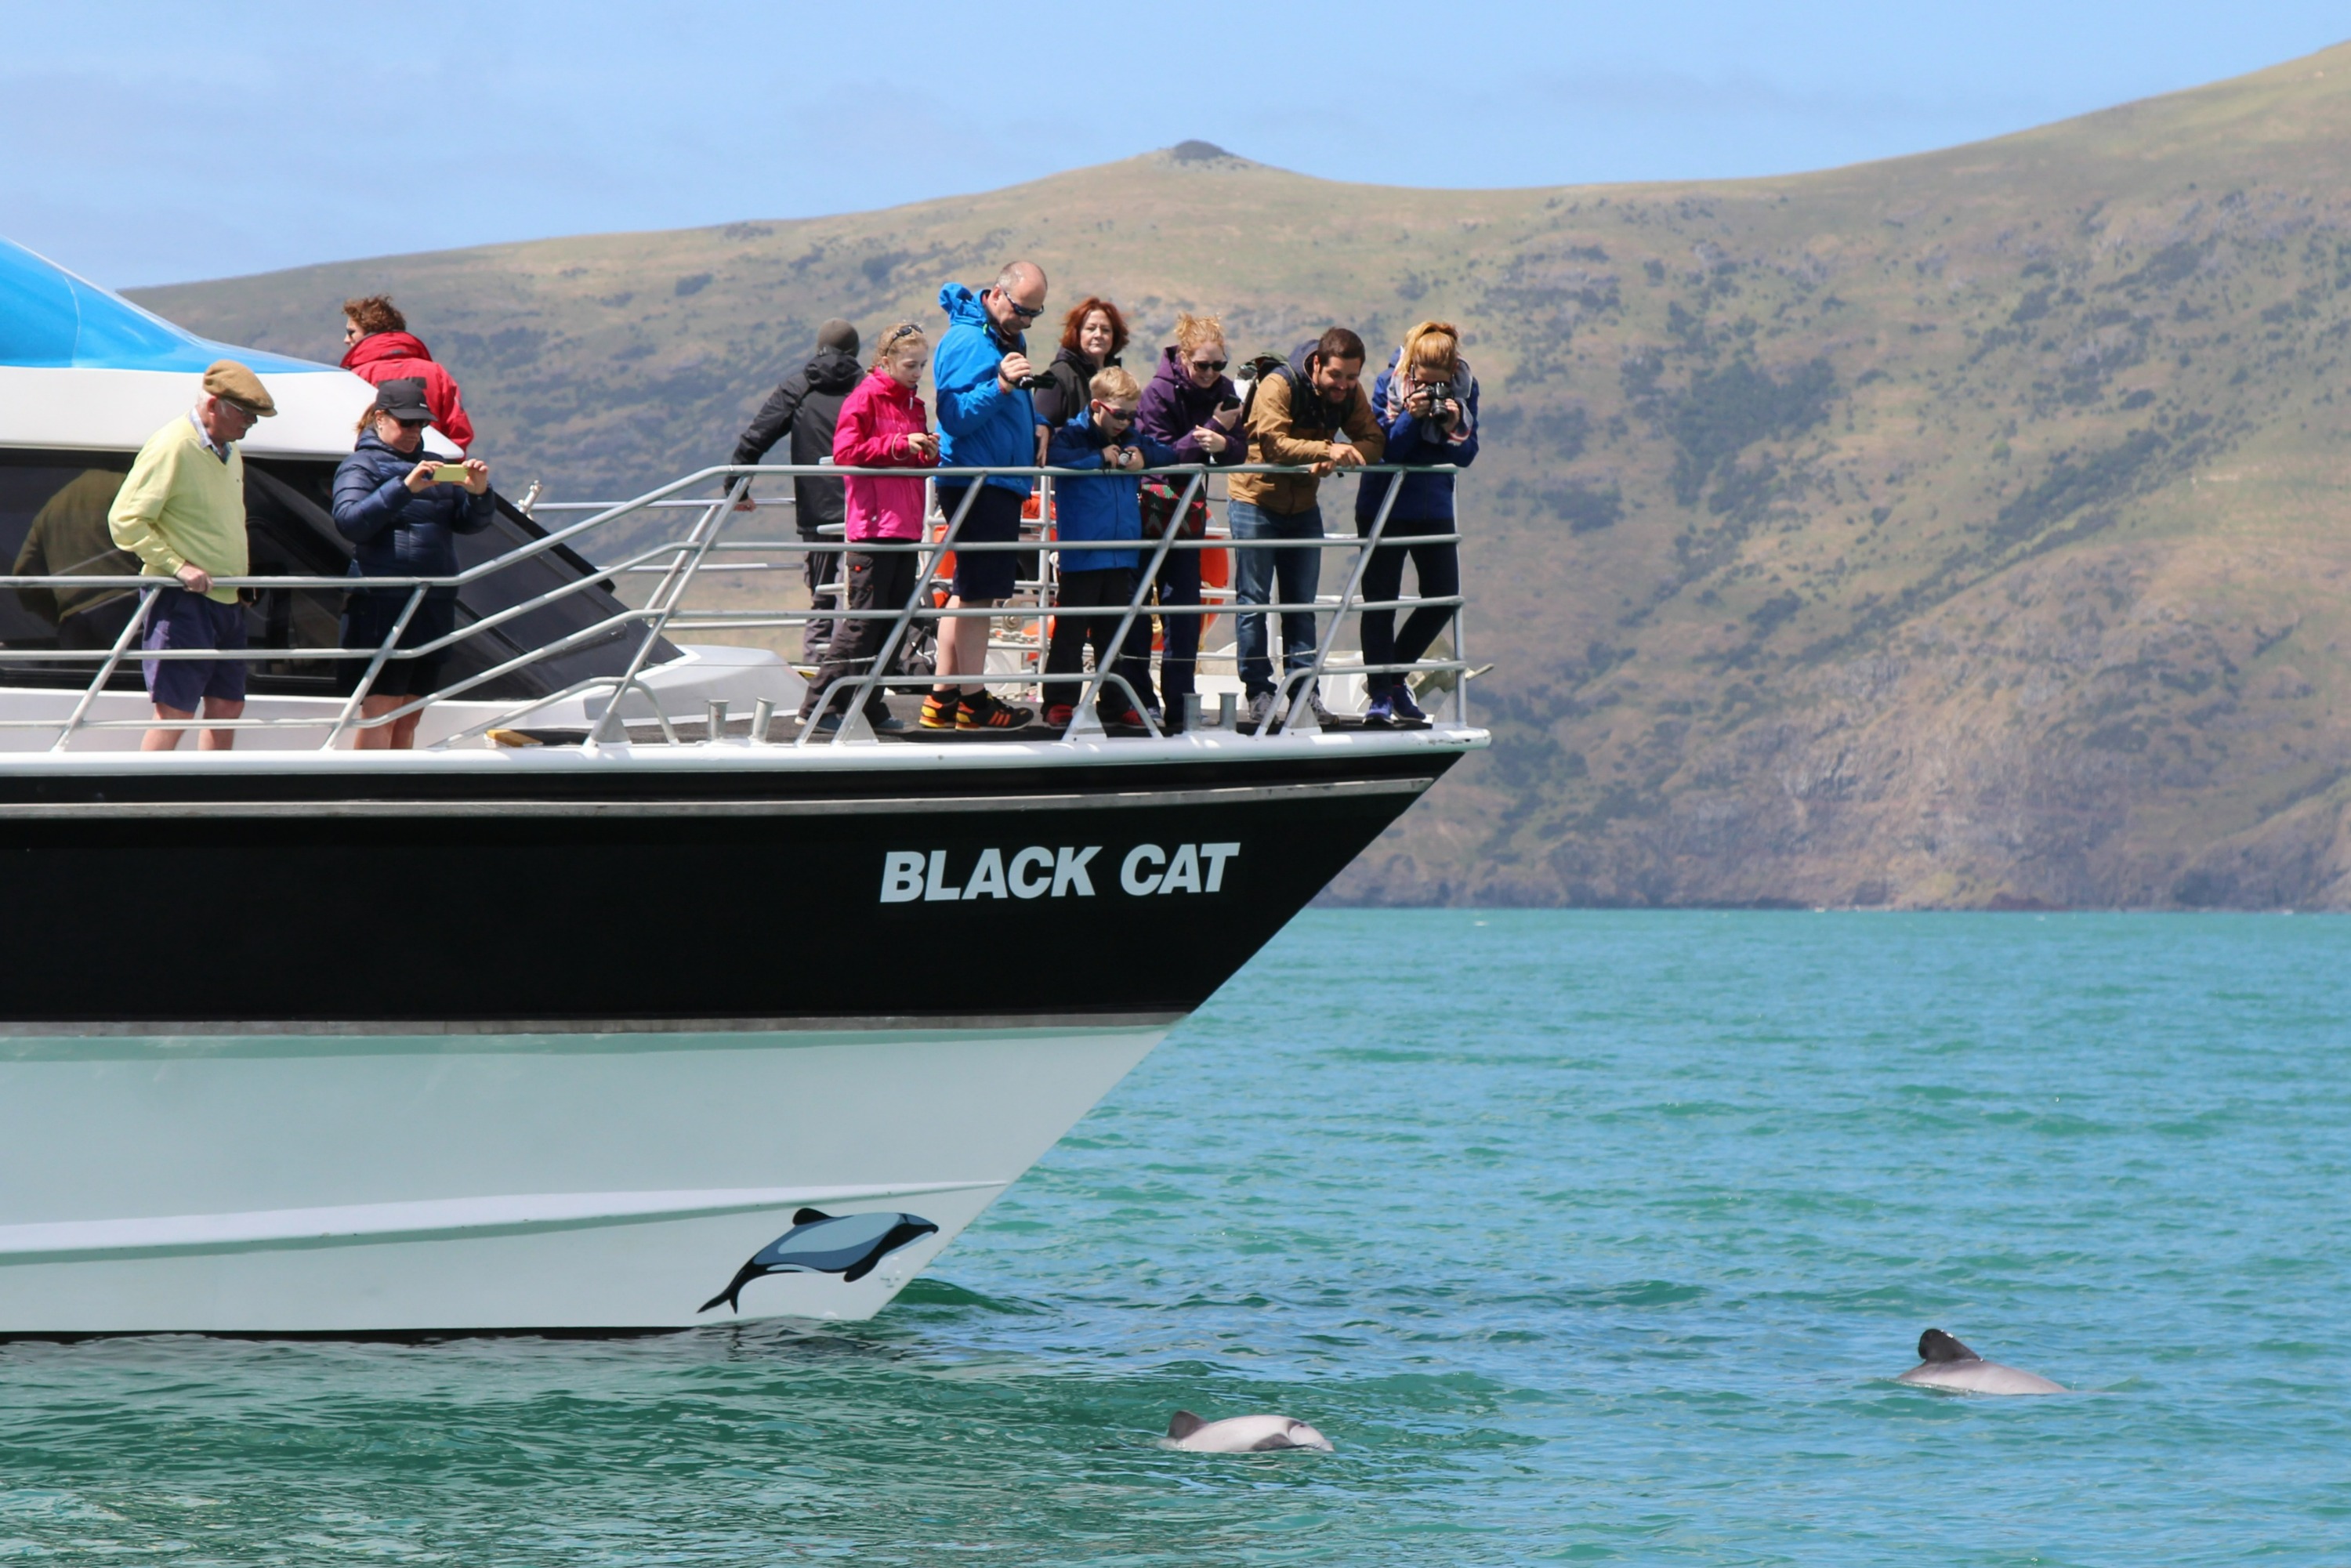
(882, 426)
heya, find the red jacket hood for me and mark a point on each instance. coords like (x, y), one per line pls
(385, 346)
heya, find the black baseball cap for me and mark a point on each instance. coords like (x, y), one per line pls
(404, 400)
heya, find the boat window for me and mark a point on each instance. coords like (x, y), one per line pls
(53, 524)
(53, 507)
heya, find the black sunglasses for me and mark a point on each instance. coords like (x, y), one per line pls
(1020, 309)
(1216, 365)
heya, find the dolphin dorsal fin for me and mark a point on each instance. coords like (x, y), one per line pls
(1934, 1345)
(809, 1216)
(1182, 1425)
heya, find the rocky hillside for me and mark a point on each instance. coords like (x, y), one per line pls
(1955, 531)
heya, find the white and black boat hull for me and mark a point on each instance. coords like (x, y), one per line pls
(552, 1041)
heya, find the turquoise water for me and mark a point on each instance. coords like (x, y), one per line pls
(1585, 1235)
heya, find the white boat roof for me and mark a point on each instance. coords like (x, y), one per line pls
(84, 369)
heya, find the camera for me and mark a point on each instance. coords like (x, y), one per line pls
(1037, 381)
(1441, 403)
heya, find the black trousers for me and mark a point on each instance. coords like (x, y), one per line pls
(1179, 635)
(820, 569)
(1087, 611)
(876, 581)
(1438, 567)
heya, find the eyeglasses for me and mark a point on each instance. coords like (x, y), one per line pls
(1020, 309)
(1215, 365)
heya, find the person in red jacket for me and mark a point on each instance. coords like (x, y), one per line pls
(883, 424)
(377, 346)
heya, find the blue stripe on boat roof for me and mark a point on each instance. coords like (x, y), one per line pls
(50, 319)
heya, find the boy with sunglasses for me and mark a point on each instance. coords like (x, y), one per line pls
(1096, 585)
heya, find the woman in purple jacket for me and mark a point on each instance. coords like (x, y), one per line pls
(1192, 406)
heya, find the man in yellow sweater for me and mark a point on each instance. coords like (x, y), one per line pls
(182, 513)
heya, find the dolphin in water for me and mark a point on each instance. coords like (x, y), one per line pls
(849, 1245)
(1945, 1362)
(1241, 1435)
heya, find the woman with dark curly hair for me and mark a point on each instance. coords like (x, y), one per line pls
(378, 348)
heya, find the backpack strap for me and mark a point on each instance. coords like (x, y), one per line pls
(1259, 368)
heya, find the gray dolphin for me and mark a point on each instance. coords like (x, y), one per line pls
(1945, 1362)
(849, 1245)
(1241, 1435)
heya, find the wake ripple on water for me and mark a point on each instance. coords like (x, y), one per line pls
(1585, 1237)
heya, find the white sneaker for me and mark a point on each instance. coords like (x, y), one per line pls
(1314, 705)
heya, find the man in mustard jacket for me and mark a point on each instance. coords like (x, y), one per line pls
(182, 513)
(1311, 411)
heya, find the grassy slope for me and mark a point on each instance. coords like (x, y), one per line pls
(1952, 530)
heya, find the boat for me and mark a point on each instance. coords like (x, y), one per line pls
(621, 1003)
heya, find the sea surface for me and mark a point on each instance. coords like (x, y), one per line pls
(1586, 1237)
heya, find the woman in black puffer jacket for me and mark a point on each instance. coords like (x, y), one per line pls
(405, 523)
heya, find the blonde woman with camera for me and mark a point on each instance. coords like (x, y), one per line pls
(1427, 404)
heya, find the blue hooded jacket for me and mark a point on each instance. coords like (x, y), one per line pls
(980, 423)
(1426, 498)
(1109, 507)
(401, 532)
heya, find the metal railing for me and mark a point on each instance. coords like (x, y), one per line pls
(678, 563)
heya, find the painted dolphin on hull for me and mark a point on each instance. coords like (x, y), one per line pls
(1945, 1362)
(849, 1245)
(1241, 1435)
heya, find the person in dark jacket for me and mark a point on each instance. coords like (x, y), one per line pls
(1191, 407)
(391, 503)
(807, 406)
(1096, 585)
(1426, 402)
(1092, 337)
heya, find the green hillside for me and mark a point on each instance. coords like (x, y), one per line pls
(1953, 531)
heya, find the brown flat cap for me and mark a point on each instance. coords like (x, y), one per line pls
(232, 380)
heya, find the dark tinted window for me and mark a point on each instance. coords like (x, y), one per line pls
(53, 509)
(53, 524)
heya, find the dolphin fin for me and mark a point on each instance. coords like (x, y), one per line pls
(905, 1230)
(1182, 1425)
(1936, 1346)
(809, 1215)
(743, 1276)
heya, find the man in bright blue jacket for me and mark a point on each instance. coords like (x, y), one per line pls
(985, 421)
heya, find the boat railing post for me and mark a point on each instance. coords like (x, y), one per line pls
(367, 680)
(1364, 544)
(1460, 647)
(853, 725)
(106, 670)
(1086, 720)
(671, 589)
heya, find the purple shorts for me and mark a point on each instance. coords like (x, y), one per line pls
(178, 619)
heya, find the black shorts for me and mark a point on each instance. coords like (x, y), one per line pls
(367, 616)
(994, 519)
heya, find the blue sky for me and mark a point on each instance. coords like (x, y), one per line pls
(153, 144)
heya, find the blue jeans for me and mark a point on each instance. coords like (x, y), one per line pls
(1298, 574)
